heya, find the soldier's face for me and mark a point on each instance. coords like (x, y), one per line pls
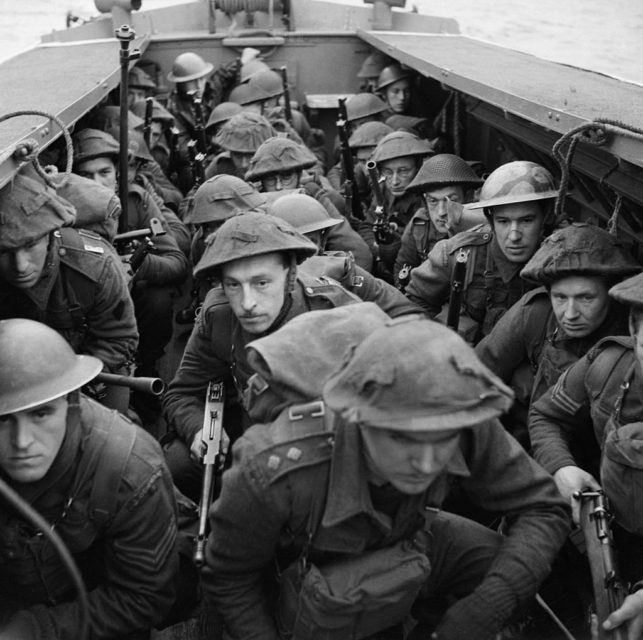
(30, 439)
(155, 133)
(256, 289)
(23, 267)
(363, 154)
(281, 181)
(398, 174)
(134, 94)
(398, 95)
(518, 229)
(408, 460)
(437, 204)
(241, 161)
(580, 304)
(101, 170)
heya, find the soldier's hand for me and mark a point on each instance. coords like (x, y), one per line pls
(630, 612)
(570, 479)
(197, 448)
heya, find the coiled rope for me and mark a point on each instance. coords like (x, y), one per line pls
(235, 6)
(28, 150)
(597, 133)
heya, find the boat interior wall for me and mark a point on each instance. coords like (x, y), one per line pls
(78, 76)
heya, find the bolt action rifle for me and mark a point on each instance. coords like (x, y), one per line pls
(351, 192)
(457, 288)
(197, 163)
(216, 442)
(287, 105)
(609, 589)
(135, 245)
(199, 124)
(383, 228)
(147, 125)
(174, 161)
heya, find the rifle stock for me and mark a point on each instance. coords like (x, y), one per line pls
(215, 439)
(147, 125)
(457, 288)
(287, 105)
(139, 242)
(609, 590)
(199, 125)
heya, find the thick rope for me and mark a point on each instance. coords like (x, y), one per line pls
(596, 133)
(235, 6)
(29, 150)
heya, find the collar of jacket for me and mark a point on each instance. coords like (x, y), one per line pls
(41, 291)
(348, 492)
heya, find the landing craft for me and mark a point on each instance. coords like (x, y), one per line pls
(495, 103)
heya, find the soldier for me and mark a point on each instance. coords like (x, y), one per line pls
(255, 258)
(280, 164)
(239, 137)
(443, 179)
(398, 156)
(139, 86)
(364, 107)
(162, 121)
(394, 86)
(67, 278)
(311, 219)
(93, 476)
(370, 70)
(345, 489)
(587, 427)
(554, 325)
(219, 116)
(517, 199)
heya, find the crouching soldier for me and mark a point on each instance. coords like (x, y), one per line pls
(334, 498)
(94, 477)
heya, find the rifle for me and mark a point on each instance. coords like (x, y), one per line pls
(382, 227)
(197, 163)
(147, 126)
(139, 243)
(199, 124)
(609, 589)
(287, 105)
(174, 161)
(124, 35)
(216, 442)
(457, 288)
(351, 192)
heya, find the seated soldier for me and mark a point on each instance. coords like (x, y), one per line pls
(517, 199)
(554, 325)
(280, 164)
(347, 482)
(255, 258)
(98, 480)
(67, 278)
(394, 85)
(442, 180)
(588, 427)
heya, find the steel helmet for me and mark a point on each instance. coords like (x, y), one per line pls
(391, 74)
(401, 144)
(29, 210)
(629, 292)
(363, 105)
(244, 133)
(222, 113)
(109, 116)
(251, 234)
(416, 375)
(444, 169)
(368, 135)
(245, 94)
(159, 112)
(250, 68)
(518, 181)
(38, 365)
(579, 249)
(138, 78)
(189, 66)
(222, 197)
(279, 154)
(269, 81)
(303, 212)
(373, 64)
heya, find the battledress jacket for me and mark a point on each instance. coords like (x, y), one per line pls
(82, 294)
(216, 350)
(492, 283)
(278, 471)
(127, 557)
